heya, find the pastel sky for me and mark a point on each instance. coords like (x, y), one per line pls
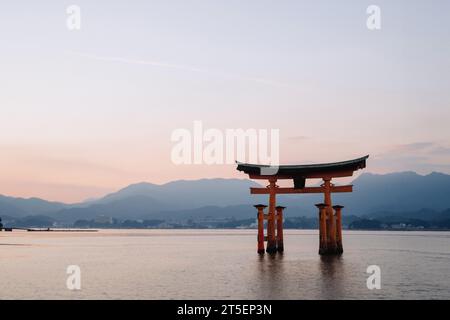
(86, 112)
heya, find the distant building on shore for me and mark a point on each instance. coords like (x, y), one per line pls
(103, 219)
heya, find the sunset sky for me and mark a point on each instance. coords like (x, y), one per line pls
(86, 112)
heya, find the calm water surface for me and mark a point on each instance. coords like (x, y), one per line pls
(221, 264)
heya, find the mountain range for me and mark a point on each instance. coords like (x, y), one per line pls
(373, 195)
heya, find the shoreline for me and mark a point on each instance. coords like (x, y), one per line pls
(209, 229)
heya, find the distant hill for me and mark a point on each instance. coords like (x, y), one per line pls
(396, 194)
(17, 207)
(147, 200)
(188, 194)
(421, 214)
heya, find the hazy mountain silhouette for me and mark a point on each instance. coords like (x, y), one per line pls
(17, 207)
(374, 195)
(147, 200)
(397, 192)
(188, 194)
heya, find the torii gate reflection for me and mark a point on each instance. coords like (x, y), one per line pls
(330, 217)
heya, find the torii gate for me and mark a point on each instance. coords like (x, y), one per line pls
(330, 223)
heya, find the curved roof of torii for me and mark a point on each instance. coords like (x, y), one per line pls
(338, 169)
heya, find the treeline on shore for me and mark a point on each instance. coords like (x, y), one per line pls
(349, 222)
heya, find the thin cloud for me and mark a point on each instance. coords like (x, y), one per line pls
(162, 64)
(421, 157)
(412, 147)
(441, 151)
(419, 148)
(416, 151)
(143, 62)
(297, 138)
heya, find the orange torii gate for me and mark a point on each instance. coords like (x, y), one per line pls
(330, 217)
